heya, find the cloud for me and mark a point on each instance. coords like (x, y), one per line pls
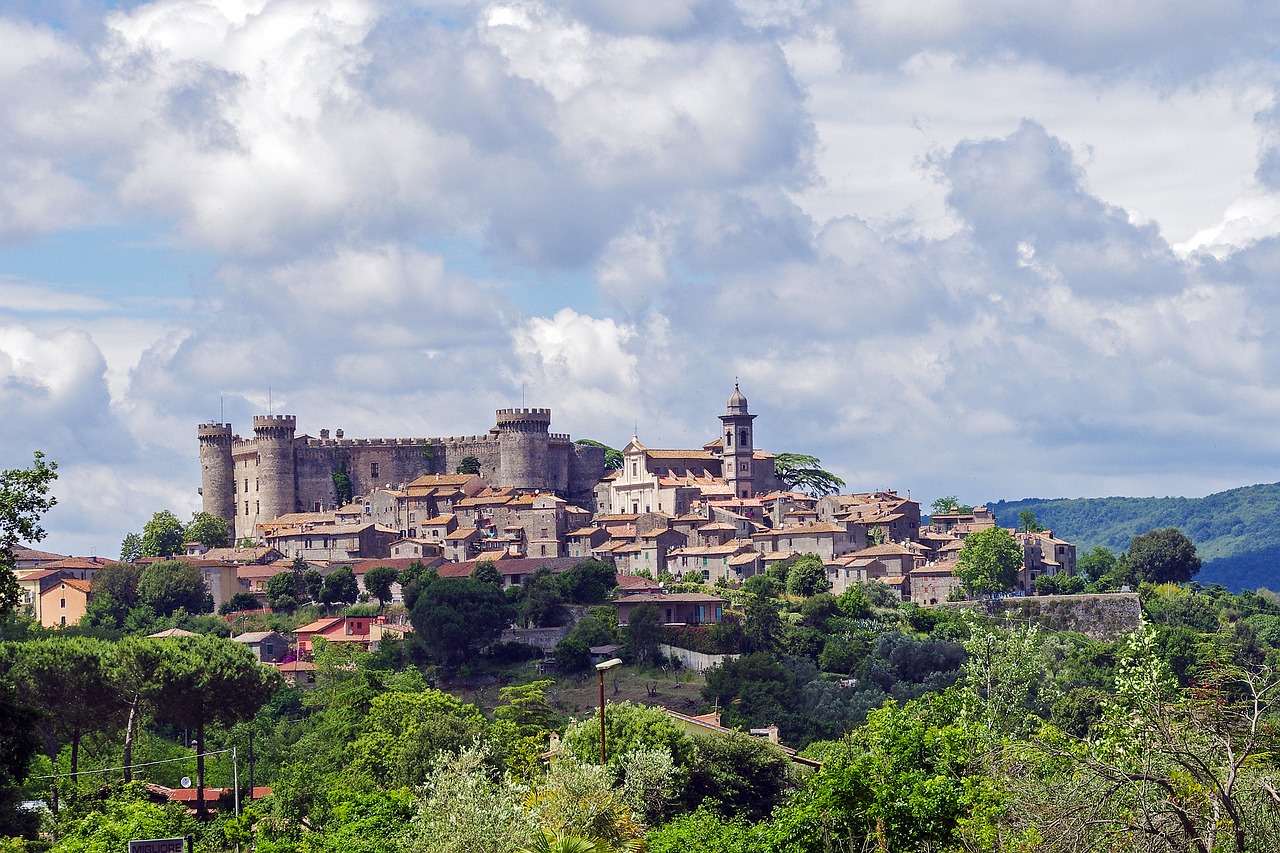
(1165, 39)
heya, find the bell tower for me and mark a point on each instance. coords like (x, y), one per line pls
(739, 446)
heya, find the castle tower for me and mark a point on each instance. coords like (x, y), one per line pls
(738, 445)
(216, 471)
(523, 436)
(278, 493)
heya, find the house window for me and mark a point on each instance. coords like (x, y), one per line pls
(255, 484)
(246, 507)
(745, 437)
(728, 439)
(246, 485)
(635, 469)
(268, 649)
(257, 506)
(373, 469)
(62, 602)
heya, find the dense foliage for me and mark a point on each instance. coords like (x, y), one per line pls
(1235, 531)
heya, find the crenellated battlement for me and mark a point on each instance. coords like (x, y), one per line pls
(214, 431)
(275, 422)
(506, 416)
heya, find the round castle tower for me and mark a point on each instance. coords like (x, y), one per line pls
(273, 436)
(216, 471)
(523, 436)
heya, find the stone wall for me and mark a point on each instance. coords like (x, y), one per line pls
(544, 638)
(1104, 616)
(697, 661)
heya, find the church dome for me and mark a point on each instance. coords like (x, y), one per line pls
(737, 402)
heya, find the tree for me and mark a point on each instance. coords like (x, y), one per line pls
(588, 582)
(211, 530)
(340, 587)
(171, 584)
(1096, 563)
(1163, 556)
(20, 744)
(1166, 768)
(612, 457)
(486, 571)
(24, 498)
(643, 634)
(130, 548)
(949, 505)
(66, 678)
(341, 488)
(1028, 523)
(282, 594)
(210, 681)
(115, 593)
(468, 465)
(804, 473)
(747, 777)
(989, 562)
(162, 535)
(542, 602)
(808, 576)
(378, 581)
(240, 601)
(761, 624)
(454, 617)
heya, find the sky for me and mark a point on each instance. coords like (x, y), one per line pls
(981, 248)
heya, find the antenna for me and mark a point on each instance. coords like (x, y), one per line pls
(269, 412)
(222, 415)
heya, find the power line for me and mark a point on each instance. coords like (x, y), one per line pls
(135, 766)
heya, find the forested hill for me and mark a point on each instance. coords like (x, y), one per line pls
(1237, 532)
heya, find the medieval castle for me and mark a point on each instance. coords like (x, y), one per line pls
(251, 481)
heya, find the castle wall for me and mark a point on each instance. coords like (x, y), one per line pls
(586, 469)
(250, 482)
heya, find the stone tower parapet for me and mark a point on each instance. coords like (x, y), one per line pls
(216, 471)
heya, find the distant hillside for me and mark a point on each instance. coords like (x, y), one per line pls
(1237, 532)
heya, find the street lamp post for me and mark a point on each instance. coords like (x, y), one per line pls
(601, 668)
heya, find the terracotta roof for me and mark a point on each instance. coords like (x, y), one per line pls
(397, 563)
(659, 598)
(254, 636)
(637, 582)
(682, 454)
(171, 632)
(318, 625)
(76, 563)
(443, 480)
(76, 583)
(296, 666)
(888, 549)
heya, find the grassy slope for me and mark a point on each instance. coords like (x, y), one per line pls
(1237, 532)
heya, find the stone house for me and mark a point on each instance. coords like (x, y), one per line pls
(267, 646)
(827, 540)
(684, 608)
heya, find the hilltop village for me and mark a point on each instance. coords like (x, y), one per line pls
(515, 640)
(528, 498)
